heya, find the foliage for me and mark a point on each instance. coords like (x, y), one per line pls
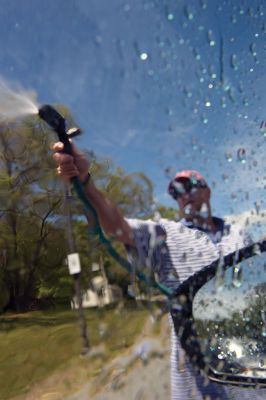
(168, 213)
(30, 240)
(33, 217)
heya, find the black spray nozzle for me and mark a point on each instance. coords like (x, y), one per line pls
(52, 118)
(57, 122)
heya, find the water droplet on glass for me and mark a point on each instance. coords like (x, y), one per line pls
(171, 277)
(143, 56)
(169, 111)
(183, 258)
(233, 62)
(223, 102)
(194, 144)
(169, 172)
(252, 49)
(257, 207)
(263, 315)
(211, 41)
(219, 276)
(260, 10)
(126, 7)
(245, 102)
(98, 40)
(231, 95)
(263, 128)
(204, 119)
(241, 87)
(102, 329)
(241, 155)
(203, 4)
(228, 156)
(233, 19)
(170, 17)
(187, 93)
(237, 277)
(188, 13)
(225, 177)
(204, 212)
(234, 196)
(196, 54)
(187, 209)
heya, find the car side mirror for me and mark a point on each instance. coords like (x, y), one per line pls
(219, 315)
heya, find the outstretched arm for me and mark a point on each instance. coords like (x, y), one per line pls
(110, 217)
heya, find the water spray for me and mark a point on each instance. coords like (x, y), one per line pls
(16, 102)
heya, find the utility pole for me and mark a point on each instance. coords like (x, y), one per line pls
(75, 270)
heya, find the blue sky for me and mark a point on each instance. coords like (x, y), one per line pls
(158, 85)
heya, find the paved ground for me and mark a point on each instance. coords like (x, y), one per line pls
(143, 373)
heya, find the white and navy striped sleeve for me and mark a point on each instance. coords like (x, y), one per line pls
(148, 238)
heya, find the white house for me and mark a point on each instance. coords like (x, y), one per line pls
(101, 294)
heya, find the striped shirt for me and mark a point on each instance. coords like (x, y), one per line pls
(175, 252)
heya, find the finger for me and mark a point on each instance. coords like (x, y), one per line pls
(62, 158)
(66, 175)
(67, 167)
(58, 146)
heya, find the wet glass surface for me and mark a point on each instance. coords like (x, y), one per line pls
(230, 320)
(157, 86)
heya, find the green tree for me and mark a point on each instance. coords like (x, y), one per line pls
(30, 241)
(168, 212)
(32, 220)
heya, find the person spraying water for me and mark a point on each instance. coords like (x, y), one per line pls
(16, 104)
(158, 246)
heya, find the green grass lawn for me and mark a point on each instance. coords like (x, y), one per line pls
(35, 345)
